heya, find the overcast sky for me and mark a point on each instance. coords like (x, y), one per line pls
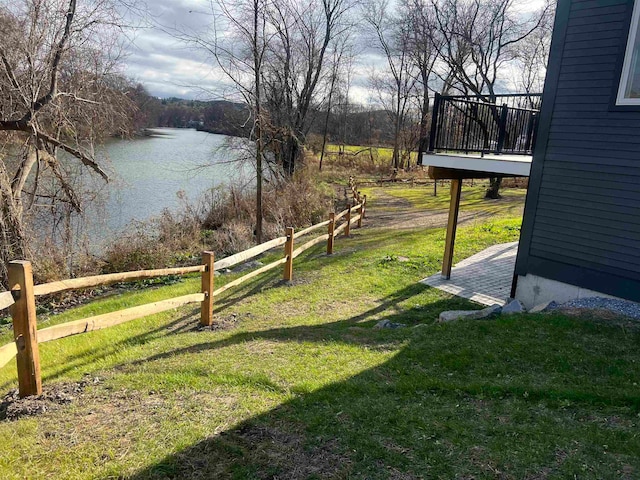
(168, 67)
(165, 65)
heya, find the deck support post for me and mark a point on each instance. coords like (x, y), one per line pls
(452, 223)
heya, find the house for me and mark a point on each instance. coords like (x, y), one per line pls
(581, 227)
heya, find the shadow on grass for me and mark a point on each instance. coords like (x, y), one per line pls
(443, 406)
(173, 327)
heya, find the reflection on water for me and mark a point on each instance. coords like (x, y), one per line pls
(147, 174)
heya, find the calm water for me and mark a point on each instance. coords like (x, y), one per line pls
(149, 172)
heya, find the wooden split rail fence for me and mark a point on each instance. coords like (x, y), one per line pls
(21, 296)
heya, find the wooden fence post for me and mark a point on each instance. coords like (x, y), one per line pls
(206, 308)
(332, 225)
(347, 230)
(364, 205)
(361, 211)
(25, 329)
(288, 253)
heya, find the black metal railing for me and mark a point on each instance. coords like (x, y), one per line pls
(502, 124)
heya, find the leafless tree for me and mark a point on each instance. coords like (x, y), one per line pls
(424, 44)
(395, 85)
(297, 65)
(532, 56)
(238, 41)
(274, 53)
(58, 93)
(481, 41)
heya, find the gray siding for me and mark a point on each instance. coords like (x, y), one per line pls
(582, 220)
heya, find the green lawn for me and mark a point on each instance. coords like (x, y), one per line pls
(381, 155)
(472, 199)
(299, 384)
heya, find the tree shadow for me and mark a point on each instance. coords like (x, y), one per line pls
(404, 418)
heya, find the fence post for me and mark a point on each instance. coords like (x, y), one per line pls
(206, 308)
(25, 329)
(347, 230)
(364, 206)
(361, 211)
(332, 225)
(288, 252)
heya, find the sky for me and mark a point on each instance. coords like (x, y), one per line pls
(168, 67)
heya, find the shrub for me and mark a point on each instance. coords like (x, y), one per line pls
(223, 221)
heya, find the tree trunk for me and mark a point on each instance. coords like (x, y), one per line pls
(290, 152)
(423, 142)
(493, 191)
(257, 72)
(13, 239)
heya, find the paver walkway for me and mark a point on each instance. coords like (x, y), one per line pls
(484, 277)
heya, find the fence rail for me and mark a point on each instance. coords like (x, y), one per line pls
(21, 296)
(503, 124)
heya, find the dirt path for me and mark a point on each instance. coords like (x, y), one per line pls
(397, 213)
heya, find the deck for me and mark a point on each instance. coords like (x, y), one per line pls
(516, 165)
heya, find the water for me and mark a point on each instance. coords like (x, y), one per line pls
(148, 174)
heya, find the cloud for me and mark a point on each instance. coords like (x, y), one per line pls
(164, 63)
(168, 66)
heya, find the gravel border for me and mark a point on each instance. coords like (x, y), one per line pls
(619, 307)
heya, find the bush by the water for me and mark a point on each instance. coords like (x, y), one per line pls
(222, 221)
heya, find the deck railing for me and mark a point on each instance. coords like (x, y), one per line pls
(508, 124)
(21, 296)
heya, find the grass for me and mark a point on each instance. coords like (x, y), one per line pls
(421, 197)
(299, 384)
(382, 156)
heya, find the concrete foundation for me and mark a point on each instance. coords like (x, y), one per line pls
(533, 290)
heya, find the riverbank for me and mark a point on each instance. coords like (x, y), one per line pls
(295, 382)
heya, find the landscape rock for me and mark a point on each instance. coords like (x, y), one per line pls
(403, 259)
(452, 315)
(388, 324)
(514, 306)
(544, 307)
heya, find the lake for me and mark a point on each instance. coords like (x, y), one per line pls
(147, 173)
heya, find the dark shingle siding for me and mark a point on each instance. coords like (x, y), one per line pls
(587, 213)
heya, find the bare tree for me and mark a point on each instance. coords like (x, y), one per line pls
(297, 64)
(481, 40)
(58, 93)
(396, 85)
(532, 56)
(238, 41)
(424, 43)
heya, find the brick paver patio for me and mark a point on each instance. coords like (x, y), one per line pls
(484, 277)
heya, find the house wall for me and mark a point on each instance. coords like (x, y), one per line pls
(582, 215)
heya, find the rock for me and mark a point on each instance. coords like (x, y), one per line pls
(403, 259)
(452, 315)
(388, 324)
(513, 306)
(544, 307)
